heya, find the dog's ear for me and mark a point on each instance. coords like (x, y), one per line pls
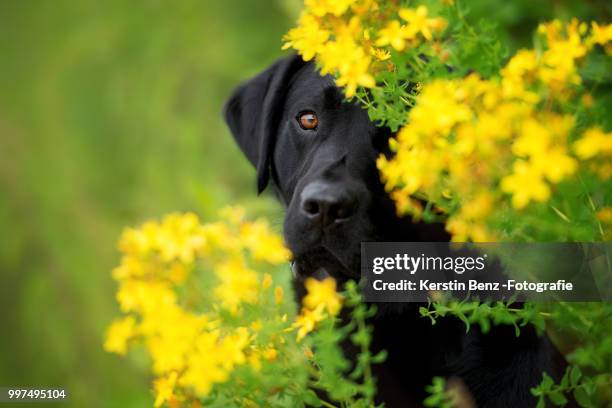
(253, 113)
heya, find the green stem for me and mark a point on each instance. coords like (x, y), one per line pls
(367, 370)
(327, 404)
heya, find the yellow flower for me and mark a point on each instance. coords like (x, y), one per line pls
(180, 237)
(177, 237)
(381, 54)
(164, 389)
(321, 7)
(214, 358)
(601, 35)
(535, 139)
(477, 208)
(238, 284)
(440, 106)
(270, 354)
(118, 335)
(463, 231)
(170, 334)
(263, 243)
(178, 272)
(231, 348)
(404, 204)
(144, 296)
(605, 215)
(356, 75)
(278, 295)
(469, 223)
(308, 38)
(322, 292)
(189, 352)
(525, 184)
(393, 34)
(308, 352)
(603, 170)
(218, 236)
(593, 142)
(418, 22)
(523, 63)
(587, 100)
(138, 242)
(267, 281)
(349, 61)
(131, 267)
(565, 47)
(555, 165)
(307, 321)
(364, 7)
(519, 72)
(256, 325)
(322, 296)
(204, 365)
(350, 29)
(551, 29)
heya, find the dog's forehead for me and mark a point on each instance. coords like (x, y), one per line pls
(308, 84)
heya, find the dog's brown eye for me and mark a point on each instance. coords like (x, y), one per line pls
(308, 120)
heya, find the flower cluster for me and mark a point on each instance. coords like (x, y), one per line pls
(348, 40)
(200, 328)
(470, 144)
(479, 148)
(321, 301)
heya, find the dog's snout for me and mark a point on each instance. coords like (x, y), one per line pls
(326, 204)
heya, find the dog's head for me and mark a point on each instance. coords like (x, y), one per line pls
(320, 153)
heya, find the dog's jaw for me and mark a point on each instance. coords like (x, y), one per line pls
(320, 264)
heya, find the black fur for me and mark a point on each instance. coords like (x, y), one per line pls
(328, 181)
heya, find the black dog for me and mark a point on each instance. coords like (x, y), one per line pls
(319, 153)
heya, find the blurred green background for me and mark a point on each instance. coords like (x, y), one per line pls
(110, 115)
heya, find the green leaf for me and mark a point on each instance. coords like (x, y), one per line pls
(380, 357)
(582, 397)
(311, 398)
(565, 380)
(590, 387)
(557, 398)
(465, 320)
(575, 375)
(546, 383)
(360, 338)
(433, 400)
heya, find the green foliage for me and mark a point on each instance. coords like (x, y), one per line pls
(476, 47)
(574, 383)
(486, 314)
(349, 383)
(582, 331)
(439, 396)
(582, 327)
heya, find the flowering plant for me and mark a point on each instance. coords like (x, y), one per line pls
(219, 332)
(499, 147)
(481, 141)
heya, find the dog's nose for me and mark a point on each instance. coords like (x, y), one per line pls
(326, 204)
